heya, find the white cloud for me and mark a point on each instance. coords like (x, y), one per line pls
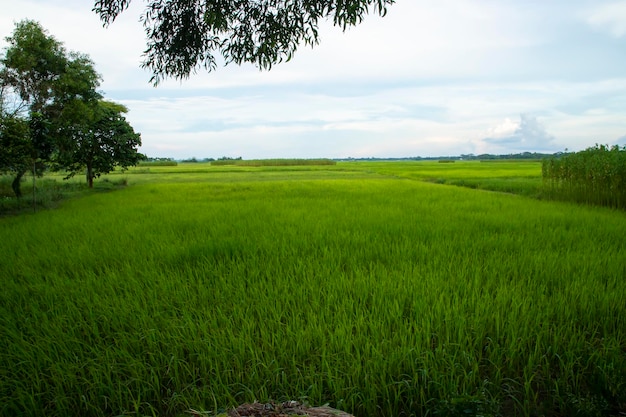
(609, 17)
(505, 129)
(430, 78)
(116, 50)
(529, 134)
(417, 39)
(426, 120)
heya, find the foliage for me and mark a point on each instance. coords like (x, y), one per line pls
(185, 35)
(51, 111)
(15, 149)
(50, 193)
(596, 175)
(93, 134)
(97, 140)
(34, 61)
(15, 146)
(379, 295)
(29, 71)
(79, 82)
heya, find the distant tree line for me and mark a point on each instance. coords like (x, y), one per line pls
(51, 114)
(274, 162)
(464, 157)
(226, 160)
(154, 162)
(522, 155)
(157, 159)
(164, 161)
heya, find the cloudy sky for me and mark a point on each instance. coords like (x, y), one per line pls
(432, 78)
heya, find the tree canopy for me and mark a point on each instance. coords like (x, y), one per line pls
(33, 62)
(97, 139)
(185, 35)
(52, 114)
(31, 67)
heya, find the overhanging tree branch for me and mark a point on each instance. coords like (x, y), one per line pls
(185, 35)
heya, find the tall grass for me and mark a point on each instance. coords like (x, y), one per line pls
(49, 192)
(45, 193)
(382, 297)
(596, 175)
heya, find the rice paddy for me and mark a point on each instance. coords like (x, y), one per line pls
(377, 288)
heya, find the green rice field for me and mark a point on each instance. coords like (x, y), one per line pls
(380, 288)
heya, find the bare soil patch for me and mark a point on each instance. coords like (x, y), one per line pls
(285, 409)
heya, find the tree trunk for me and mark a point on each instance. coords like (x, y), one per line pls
(16, 184)
(90, 176)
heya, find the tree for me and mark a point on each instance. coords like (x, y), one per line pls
(32, 65)
(22, 141)
(51, 111)
(102, 140)
(184, 35)
(33, 62)
(15, 149)
(91, 133)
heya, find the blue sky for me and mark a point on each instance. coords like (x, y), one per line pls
(432, 78)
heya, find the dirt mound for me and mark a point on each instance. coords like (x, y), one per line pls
(286, 409)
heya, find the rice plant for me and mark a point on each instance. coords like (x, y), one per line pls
(376, 294)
